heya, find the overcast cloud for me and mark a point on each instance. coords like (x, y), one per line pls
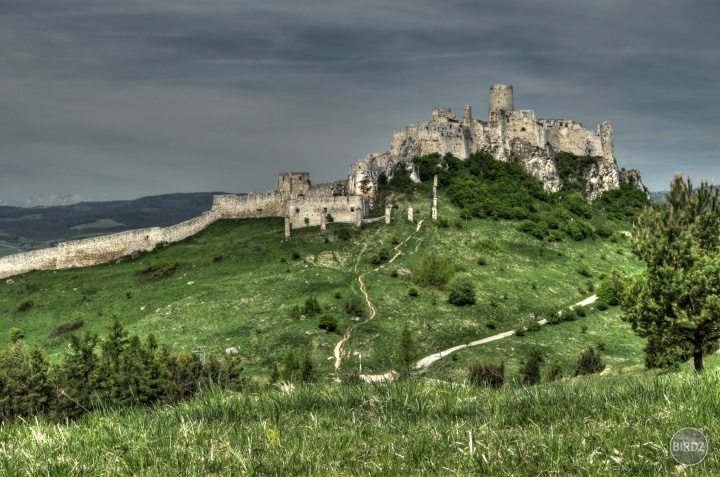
(116, 100)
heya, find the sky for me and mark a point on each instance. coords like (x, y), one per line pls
(118, 100)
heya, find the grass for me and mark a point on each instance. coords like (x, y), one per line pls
(245, 298)
(589, 426)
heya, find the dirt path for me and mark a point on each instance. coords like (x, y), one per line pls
(338, 351)
(423, 363)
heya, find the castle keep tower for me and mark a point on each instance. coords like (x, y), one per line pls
(501, 97)
(294, 184)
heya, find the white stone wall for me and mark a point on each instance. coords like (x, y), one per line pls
(347, 209)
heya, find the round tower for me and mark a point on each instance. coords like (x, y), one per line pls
(501, 97)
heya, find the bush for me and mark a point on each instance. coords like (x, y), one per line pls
(66, 328)
(160, 269)
(433, 272)
(578, 230)
(603, 231)
(608, 292)
(295, 312)
(552, 315)
(413, 292)
(312, 307)
(580, 311)
(16, 334)
(461, 291)
(520, 331)
(589, 362)
(25, 306)
(354, 306)
(344, 233)
(382, 255)
(296, 255)
(601, 305)
(482, 261)
(554, 371)
(443, 223)
(584, 270)
(491, 324)
(530, 370)
(490, 374)
(327, 322)
(533, 326)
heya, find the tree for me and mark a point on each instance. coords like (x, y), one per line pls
(675, 302)
(405, 352)
(461, 291)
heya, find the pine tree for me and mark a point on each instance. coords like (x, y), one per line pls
(405, 352)
(675, 304)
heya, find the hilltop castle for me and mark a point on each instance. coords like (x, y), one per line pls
(509, 134)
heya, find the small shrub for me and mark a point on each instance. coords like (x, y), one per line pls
(16, 334)
(601, 345)
(327, 322)
(491, 324)
(554, 371)
(25, 306)
(344, 233)
(296, 255)
(395, 240)
(218, 258)
(601, 305)
(482, 261)
(159, 270)
(584, 329)
(580, 311)
(487, 245)
(533, 326)
(382, 255)
(66, 328)
(413, 292)
(552, 315)
(520, 331)
(589, 362)
(338, 295)
(354, 306)
(295, 312)
(394, 273)
(493, 303)
(461, 291)
(584, 270)
(312, 307)
(490, 374)
(443, 223)
(329, 218)
(530, 370)
(433, 272)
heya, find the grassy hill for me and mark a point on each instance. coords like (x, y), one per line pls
(238, 282)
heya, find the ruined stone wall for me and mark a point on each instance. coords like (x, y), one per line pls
(96, 250)
(429, 137)
(268, 204)
(328, 189)
(348, 210)
(294, 184)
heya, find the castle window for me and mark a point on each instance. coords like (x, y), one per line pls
(258, 210)
(352, 209)
(297, 211)
(522, 129)
(325, 210)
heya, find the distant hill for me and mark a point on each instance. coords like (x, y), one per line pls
(657, 197)
(23, 229)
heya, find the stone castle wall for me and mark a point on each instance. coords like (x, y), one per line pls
(344, 209)
(321, 200)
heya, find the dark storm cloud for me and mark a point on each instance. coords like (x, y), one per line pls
(142, 97)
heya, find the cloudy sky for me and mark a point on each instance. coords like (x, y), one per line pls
(116, 100)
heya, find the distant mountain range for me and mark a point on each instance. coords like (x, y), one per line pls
(43, 225)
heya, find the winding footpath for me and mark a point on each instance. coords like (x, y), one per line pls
(423, 363)
(338, 351)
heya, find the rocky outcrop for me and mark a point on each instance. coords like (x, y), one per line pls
(510, 135)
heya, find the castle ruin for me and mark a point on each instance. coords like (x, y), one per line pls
(509, 134)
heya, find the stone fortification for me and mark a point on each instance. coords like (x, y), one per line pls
(295, 199)
(508, 134)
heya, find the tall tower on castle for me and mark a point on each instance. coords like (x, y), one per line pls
(501, 98)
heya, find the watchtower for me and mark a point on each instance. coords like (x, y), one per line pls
(294, 184)
(501, 98)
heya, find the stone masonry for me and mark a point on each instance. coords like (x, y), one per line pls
(510, 135)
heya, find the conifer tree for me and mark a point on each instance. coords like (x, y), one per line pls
(675, 304)
(405, 352)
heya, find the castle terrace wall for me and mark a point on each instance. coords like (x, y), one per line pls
(429, 137)
(346, 210)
